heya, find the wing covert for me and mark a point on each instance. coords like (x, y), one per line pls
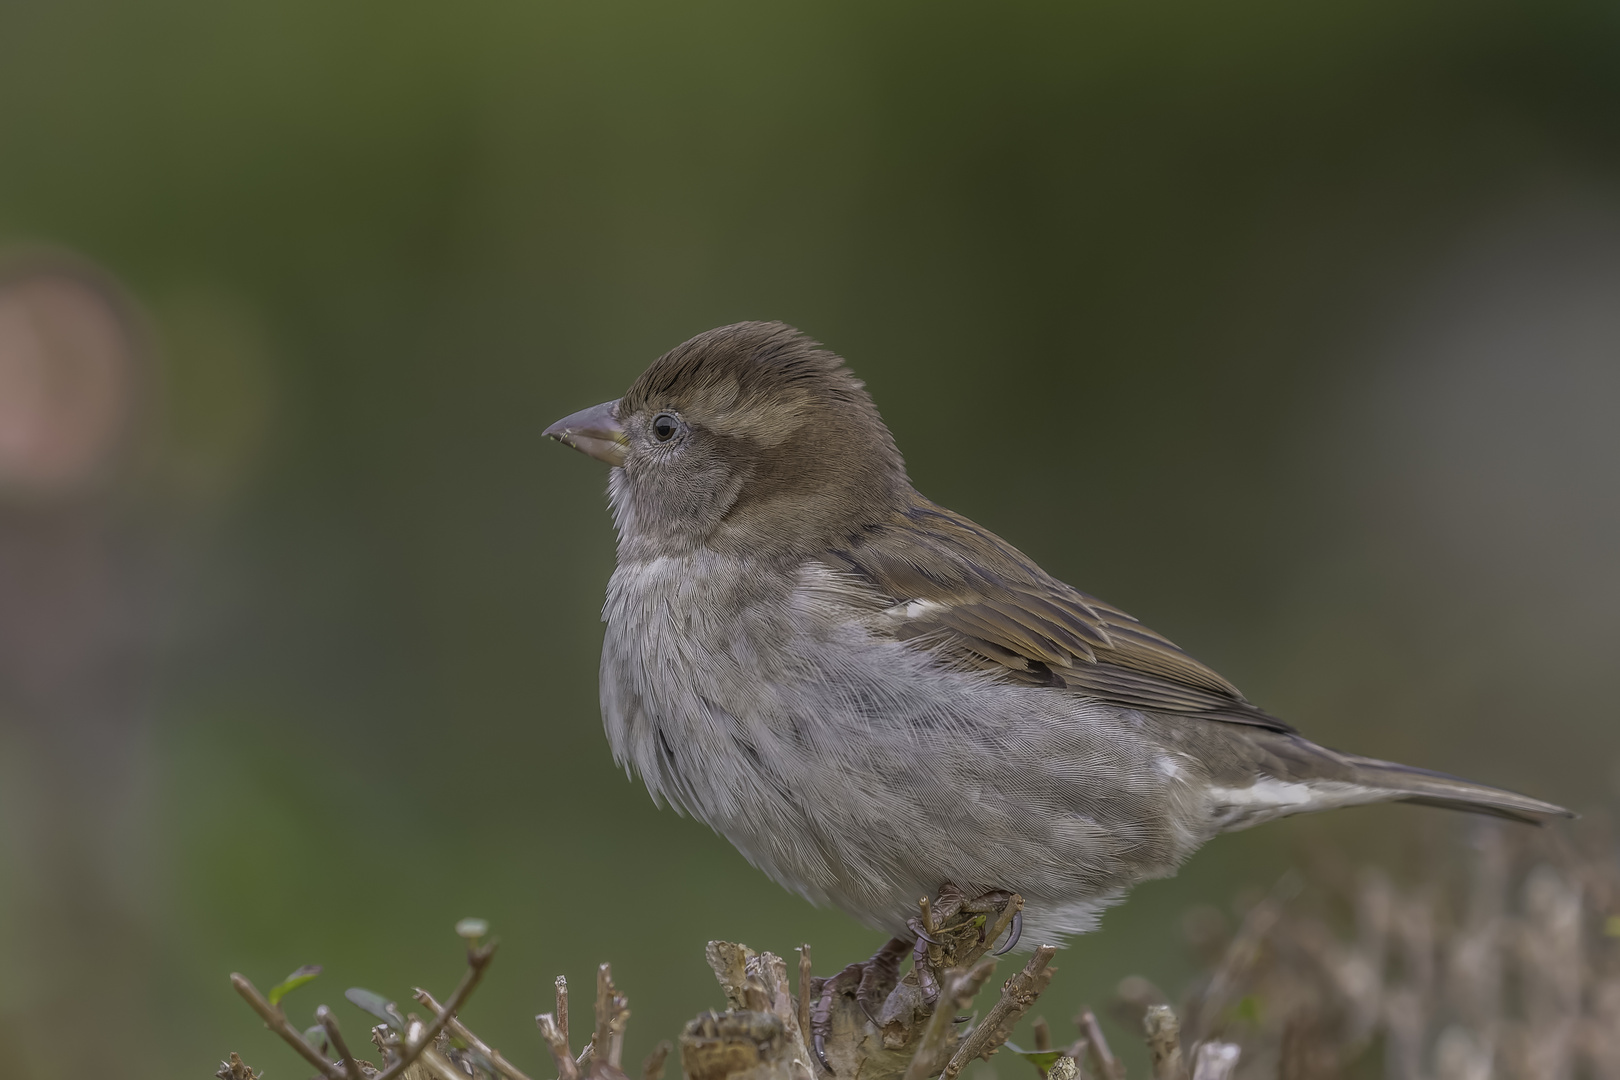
(960, 589)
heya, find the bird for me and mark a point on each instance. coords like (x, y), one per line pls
(870, 695)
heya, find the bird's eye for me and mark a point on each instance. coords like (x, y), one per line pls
(664, 427)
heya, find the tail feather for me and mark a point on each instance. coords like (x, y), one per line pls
(1428, 788)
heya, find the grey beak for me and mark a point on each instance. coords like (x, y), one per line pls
(594, 431)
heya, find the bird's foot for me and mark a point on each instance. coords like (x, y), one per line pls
(948, 931)
(953, 932)
(1008, 911)
(869, 981)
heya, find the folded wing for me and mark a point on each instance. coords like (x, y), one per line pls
(952, 586)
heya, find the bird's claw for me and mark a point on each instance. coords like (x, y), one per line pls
(930, 941)
(1013, 934)
(916, 927)
(869, 982)
(878, 976)
(821, 1014)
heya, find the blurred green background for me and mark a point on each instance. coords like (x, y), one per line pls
(1293, 329)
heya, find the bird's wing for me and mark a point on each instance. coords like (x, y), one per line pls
(955, 587)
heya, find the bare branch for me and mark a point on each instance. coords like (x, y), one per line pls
(768, 981)
(612, 1012)
(461, 1031)
(562, 1013)
(653, 1067)
(477, 962)
(934, 1048)
(1077, 1049)
(439, 1065)
(235, 1069)
(1163, 1033)
(1017, 995)
(329, 1024)
(276, 1021)
(927, 907)
(804, 992)
(729, 962)
(567, 1068)
(1108, 1066)
(1215, 1061)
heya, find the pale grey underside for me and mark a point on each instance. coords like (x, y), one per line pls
(861, 771)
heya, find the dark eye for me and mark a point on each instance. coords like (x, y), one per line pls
(665, 426)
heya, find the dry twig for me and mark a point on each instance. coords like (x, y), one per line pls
(1163, 1033)
(235, 1069)
(935, 1048)
(562, 1011)
(478, 958)
(329, 1024)
(1215, 1061)
(1017, 995)
(276, 1021)
(461, 1031)
(567, 1067)
(612, 1013)
(653, 1067)
(805, 978)
(1108, 1066)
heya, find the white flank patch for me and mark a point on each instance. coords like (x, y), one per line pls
(912, 609)
(1264, 792)
(1268, 799)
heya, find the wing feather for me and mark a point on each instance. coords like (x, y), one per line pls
(955, 587)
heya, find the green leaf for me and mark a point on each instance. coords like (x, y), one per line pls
(1248, 1009)
(316, 1037)
(377, 1006)
(1043, 1060)
(292, 982)
(472, 929)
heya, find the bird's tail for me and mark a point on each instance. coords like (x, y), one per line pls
(1415, 785)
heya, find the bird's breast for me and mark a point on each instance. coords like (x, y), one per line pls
(698, 652)
(857, 768)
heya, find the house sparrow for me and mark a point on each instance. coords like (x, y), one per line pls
(870, 695)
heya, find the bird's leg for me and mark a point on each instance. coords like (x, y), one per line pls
(923, 967)
(821, 1015)
(878, 976)
(938, 927)
(994, 900)
(869, 981)
(948, 931)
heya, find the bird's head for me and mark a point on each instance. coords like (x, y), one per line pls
(746, 439)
